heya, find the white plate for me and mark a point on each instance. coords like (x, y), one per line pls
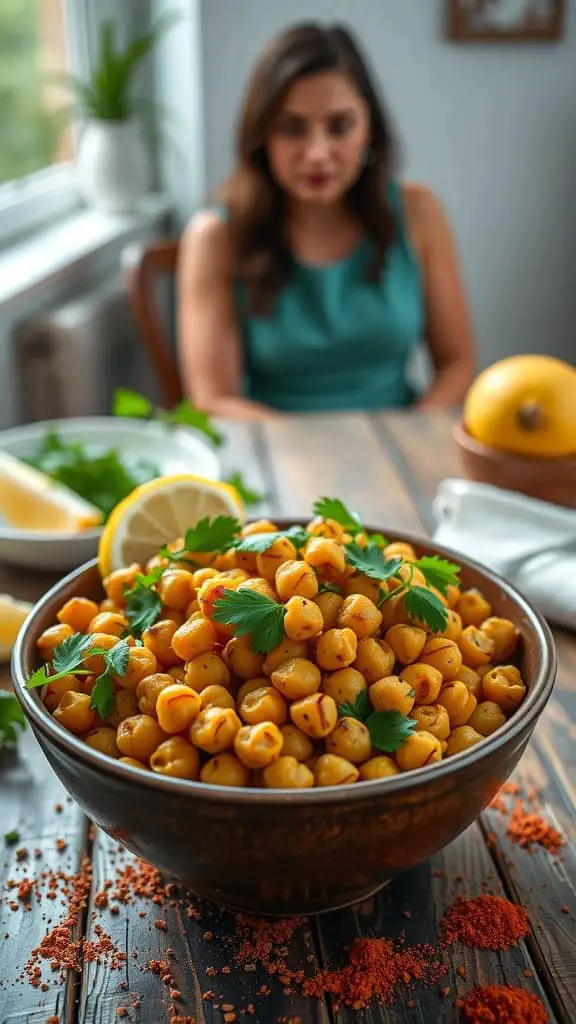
(171, 449)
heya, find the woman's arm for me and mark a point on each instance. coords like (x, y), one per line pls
(448, 326)
(209, 339)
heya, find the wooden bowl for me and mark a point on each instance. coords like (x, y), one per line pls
(551, 480)
(290, 851)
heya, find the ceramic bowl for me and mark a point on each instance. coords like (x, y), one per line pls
(290, 851)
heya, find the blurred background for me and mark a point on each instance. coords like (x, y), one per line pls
(491, 127)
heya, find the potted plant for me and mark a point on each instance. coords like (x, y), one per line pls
(113, 162)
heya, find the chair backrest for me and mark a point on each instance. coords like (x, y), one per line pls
(143, 265)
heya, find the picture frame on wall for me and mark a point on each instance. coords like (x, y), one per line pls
(505, 21)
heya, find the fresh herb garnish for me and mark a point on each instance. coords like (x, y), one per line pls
(69, 658)
(12, 837)
(329, 588)
(248, 495)
(116, 663)
(11, 715)
(438, 572)
(143, 602)
(258, 543)
(68, 655)
(333, 508)
(129, 403)
(388, 729)
(371, 562)
(252, 614)
(209, 535)
(421, 603)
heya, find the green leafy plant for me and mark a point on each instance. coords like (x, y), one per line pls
(11, 715)
(258, 543)
(69, 658)
(252, 614)
(130, 403)
(388, 729)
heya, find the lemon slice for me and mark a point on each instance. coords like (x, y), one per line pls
(12, 615)
(158, 512)
(30, 500)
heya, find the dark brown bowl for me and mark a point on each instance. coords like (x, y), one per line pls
(290, 851)
(551, 480)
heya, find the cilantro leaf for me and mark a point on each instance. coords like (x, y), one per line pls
(39, 678)
(377, 538)
(360, 709)
(333, 508)
(254, 614)
(117, 658)
(129, 403)
(143, 606)
(389, 729)
(68, 654)
(329, 588)
(424, 605)
(210, 535)
(261, 542)
(248, 495)
(11, 715)
(102, 697)
(438, 572)
(371, 561)
(186, 415)
(12, 837)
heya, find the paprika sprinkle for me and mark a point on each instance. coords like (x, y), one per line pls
(528, 829)
(495, 1004)
(485, 922)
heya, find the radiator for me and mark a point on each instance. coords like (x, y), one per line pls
(69, 360)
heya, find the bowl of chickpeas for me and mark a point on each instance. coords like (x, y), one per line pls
(285, 724)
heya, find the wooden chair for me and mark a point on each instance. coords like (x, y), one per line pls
(144, 265)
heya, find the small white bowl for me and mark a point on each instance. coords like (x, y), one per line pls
(171, 449)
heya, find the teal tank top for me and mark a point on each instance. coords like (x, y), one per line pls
(334, 340)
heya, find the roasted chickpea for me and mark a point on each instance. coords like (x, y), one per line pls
(199, 576)
(258, 526)
(453, 595)
(482, 670)
(158, 639)
(358, 583)
(392, 694)
(285, 650)
(107, 606)
(333, 770)
(209, 593)
(249, 685)
(77, 613)
(50, 639)
(133, 763)
(259, 745)
(288, 773)
(432, 718)
(114, 623)
(406, 641)
(421, 748)
(139, 736)
(320, 527)
(103, 739)
(241, 659)
(178, 674)
(218, 696)
(477, 647)
(150, 688)
(393, 610)
(329, 604)
(444, 655)
(74, 712)
(176, 589)
(400, 549)
(206, 669)
(263, 705)
(280, 550)
(461, 738)
(196, 637)
(296, 743)
(505, 687)
(303, 619)
(374, 659)
(295, 579)
(125, 705)
(473, 608)
(261, 586)
(55, 689)
(425, 680)
(316, 715)
(458, 701)
(326, 556)
(297, 678)
(245, 560)
(344, 685)
(141, 663)
(350, 739)
(472, 679)
(214, 729)
(379, 767)
(177, 758)
(336, 648)
(225, 770)
(359, 614)
(486, 718)
(412, 574)
(453, 626)
(191, 609)
(177, 707)
(504, 635)
(178, 618)
(118, 582)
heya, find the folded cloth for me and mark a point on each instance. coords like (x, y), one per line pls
(530, 543)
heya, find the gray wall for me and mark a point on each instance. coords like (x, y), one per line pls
(491, 128)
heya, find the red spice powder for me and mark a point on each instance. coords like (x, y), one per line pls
(528, 829)
(265, 943)
(375, 970)
(485, 922)
(494, 1004)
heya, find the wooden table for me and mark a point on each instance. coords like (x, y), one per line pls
(387, 467)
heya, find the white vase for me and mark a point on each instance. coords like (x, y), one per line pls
(113, 166)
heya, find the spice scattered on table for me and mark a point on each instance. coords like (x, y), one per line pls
(484, 922)
(529, 829)
(501, 1003)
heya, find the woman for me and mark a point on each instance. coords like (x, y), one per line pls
(310, 287)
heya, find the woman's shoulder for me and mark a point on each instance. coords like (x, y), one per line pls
(206, 240)
(424, 214)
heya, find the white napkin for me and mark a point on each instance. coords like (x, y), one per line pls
(530, 543)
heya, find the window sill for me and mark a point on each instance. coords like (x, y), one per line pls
(46, 256)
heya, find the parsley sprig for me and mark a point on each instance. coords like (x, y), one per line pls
(11, 715)
(69, 659)
(420, 602)
(252, 614)
(143, 602)
(334, 508)
(388, 729)
(209, 535)
(258, 543)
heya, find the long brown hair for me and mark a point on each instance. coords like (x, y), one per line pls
(254, 200)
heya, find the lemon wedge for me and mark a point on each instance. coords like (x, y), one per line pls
(30, 500)
(12, 615)
(158, 512)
